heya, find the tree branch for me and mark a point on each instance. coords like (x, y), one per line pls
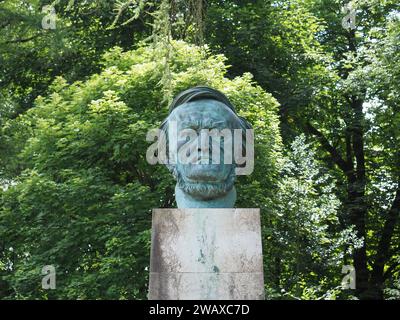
(358, 137)
(23, 40)
(382, 254)
(346, 167)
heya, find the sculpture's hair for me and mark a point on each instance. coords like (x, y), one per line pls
(195, 94)
(201, 93)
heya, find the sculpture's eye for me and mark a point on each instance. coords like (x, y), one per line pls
(181, 141)
(193, 125)
(186, 135)
(212, 124)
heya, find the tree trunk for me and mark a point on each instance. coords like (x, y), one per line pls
(383, 251)
(356, 196)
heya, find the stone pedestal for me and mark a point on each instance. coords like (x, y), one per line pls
(201, 254)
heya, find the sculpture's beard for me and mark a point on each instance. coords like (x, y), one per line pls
(205, 190)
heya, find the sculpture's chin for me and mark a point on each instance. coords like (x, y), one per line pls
(204, 191)
(185, 200)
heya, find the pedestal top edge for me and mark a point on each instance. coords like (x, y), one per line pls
(206, 210)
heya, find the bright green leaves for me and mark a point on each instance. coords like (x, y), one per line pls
(84, 191)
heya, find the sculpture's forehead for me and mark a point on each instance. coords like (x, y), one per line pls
(201, 109)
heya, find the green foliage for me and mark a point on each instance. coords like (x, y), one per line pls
(340, 87)
(95, 101)
(305, 240)
(83, 196)
(31, 57)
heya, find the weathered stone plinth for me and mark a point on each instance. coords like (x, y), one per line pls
(200, 254)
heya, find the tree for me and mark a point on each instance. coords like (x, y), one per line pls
(338, 86)
(299, 51)
(83, 198)
(306, 243)
(32, 56)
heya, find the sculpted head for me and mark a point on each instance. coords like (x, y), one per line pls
(205, 175)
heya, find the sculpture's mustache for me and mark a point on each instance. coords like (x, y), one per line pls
(211, 173)
(205, 172)
(205, 185)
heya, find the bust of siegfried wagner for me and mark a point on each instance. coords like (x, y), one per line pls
(204, 167)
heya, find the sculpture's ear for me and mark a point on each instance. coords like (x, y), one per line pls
(245, 161)
(164, 126)
(244, 125)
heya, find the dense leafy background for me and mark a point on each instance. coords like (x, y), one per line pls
(83, 198)
(76, 103)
